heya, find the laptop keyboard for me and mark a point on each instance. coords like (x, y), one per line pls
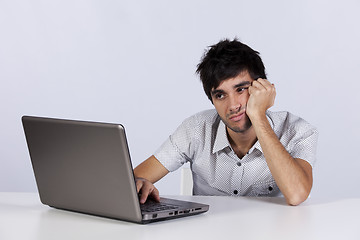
(156, 206)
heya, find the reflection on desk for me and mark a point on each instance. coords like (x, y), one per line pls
(22, 216)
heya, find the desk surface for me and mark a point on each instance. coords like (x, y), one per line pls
(22, 216)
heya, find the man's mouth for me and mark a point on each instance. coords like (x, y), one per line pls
(237, 117)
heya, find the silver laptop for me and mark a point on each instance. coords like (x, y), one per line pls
(85, 167)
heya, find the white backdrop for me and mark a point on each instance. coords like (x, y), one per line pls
(133, 62)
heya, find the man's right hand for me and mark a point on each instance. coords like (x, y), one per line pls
(147, 173)
(146, 189)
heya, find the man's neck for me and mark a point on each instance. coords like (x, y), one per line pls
(241, 142)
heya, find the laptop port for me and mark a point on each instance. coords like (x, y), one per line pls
(154, 215)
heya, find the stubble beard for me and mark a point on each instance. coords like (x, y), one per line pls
(247, 125)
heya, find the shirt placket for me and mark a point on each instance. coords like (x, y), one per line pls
(237, 175)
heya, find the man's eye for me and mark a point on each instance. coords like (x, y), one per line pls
(219, 96)
(242, 89)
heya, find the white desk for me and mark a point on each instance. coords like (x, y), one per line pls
(22, 216)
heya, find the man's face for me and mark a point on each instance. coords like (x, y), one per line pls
(230, 99)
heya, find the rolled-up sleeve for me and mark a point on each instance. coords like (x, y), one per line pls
(305, 148)
(177, 149)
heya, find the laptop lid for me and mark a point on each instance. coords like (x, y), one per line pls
(86, 167)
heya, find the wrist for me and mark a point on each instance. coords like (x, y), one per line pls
(260, 123)
(257, 117)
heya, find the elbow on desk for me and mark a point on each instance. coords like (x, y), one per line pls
(297, 194)
(294, 202)
(297, 198)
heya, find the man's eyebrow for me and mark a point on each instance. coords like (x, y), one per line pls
(242, 84)
(216, 91)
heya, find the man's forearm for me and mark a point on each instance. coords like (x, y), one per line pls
(293, 176)
(151, 169)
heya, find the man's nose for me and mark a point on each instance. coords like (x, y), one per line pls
(235, 104)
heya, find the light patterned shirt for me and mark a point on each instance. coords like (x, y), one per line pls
(202, 140)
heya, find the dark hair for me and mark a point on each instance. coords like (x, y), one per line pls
(227, 59)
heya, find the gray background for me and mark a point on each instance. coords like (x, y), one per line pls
(133, 62)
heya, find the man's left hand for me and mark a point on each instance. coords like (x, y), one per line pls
(262, 97)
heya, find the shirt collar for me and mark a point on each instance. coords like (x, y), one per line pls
(222, 141)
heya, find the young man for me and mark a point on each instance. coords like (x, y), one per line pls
(239, 148)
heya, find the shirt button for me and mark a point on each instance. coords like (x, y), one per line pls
(270, 188)
(238, 163)
(235, 192)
